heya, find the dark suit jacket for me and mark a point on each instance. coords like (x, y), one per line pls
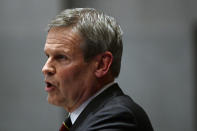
(112, 110)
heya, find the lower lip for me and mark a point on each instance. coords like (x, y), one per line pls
(49, 89)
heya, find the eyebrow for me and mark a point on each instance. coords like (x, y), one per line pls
(57, 50)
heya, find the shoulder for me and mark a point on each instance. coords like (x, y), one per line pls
(112, 110)
(119, 113)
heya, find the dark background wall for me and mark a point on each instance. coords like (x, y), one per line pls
(157, 67)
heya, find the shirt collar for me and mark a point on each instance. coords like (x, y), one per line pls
(74, 115)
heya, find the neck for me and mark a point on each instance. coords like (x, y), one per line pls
(98, 85)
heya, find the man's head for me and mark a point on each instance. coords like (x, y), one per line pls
(84, 49)
(100, 33)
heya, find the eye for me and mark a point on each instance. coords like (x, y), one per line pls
(61, 57)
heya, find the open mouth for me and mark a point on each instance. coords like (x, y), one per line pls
(49, 86)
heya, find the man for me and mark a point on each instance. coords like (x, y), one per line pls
(84, 49)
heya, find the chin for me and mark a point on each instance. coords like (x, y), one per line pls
(52, 101)
(56, 101)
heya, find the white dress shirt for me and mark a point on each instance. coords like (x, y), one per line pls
(74, 115)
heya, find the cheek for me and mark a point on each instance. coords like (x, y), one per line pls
(73, 79)
(69, 79)
(68, 75)
(72, 73)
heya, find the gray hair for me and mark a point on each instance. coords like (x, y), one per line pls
(100, 32)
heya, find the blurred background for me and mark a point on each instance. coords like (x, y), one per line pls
(159, 67)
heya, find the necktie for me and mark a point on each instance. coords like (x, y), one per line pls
(66, 125)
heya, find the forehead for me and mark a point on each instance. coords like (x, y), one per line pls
(63, 36)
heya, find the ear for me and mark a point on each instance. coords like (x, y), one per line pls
(104, 61)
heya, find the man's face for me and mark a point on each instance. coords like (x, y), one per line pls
(69, 79)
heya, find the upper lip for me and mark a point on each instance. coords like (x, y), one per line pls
(49, 83)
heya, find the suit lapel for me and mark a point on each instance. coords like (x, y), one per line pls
(97, 103)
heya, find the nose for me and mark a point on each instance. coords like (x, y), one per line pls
(48, 69)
